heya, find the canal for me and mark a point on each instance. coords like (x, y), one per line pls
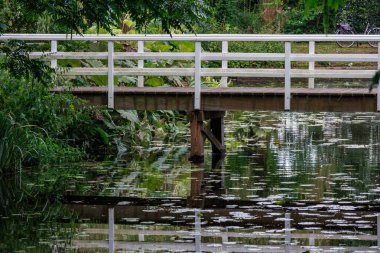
(322, 170)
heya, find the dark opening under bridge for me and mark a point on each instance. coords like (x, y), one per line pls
(210, 103)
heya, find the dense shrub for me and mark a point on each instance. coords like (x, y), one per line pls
(360, 12)
(299, 23)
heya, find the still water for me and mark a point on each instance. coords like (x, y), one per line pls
(322, 169)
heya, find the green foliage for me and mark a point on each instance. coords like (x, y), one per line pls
(12, 141)
(42, 150)
(375, 81)
(20, 144)
(3, 27)
(44, 116)
(34, 104)
(225, 11)
(59, 129)
(46, 119)
(329, 7)
(103, 135)
(73, 16)
(250, 47)
(154, 81)
(299, 23)
(153, 182)
(171, 14)
(19, 65)
(236, 15)
(360, 12)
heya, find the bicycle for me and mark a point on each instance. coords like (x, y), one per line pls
(344, 28)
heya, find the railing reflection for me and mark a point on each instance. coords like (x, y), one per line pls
(207, 222)
(288, 240)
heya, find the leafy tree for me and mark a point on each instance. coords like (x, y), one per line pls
(299, 23)
(360, 12)
(75, 16)
(18, 63)
(329, 7)
(225, 11)
(356, 12)
(232, 15)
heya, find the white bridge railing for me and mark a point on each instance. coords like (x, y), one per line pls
(198, 56)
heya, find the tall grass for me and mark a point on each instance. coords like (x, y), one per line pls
(12, 143)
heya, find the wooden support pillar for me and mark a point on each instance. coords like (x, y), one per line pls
(196, 123)
(196, 183)
(217, 129)
(196, 199)
(217, 170)
(214, 132)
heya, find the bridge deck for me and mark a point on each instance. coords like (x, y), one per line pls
(230, 99)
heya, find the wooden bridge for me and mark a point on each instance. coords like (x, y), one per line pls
(232, 99)
(205, 103)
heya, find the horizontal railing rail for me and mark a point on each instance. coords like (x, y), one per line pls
(197, 71)
(211, 56)
(193, 37)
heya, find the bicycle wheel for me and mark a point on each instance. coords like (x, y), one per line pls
(345, 43)
(374, 31)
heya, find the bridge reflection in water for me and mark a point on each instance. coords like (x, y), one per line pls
(209, 220)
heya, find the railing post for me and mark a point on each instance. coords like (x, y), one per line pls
(378, 86)
(141, 235)
(111, 87)
(312, 239)
(140, 49)
(378, 97)
(311, 63)
(224, 79)
(378, 56)
(197, 76)
(288, 50)
(111, 230)
(54, 49)
(287, 233)
(197, 228)
(378, 230)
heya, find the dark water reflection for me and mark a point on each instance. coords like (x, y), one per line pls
(278, 156)
(322, 168)
(309, 157)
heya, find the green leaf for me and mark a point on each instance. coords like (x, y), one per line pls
(186, 46)
(129, 115)
(103, 135)
(154, 81)
(163, 48)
